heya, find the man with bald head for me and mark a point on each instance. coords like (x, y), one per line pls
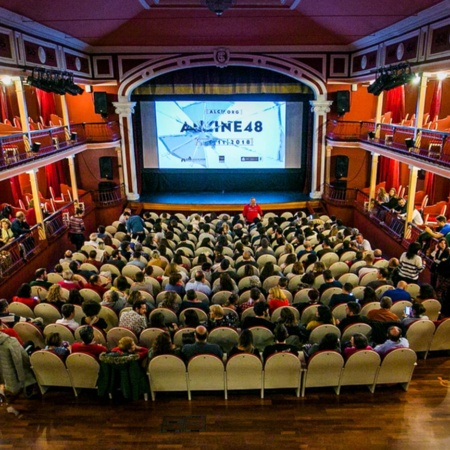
(201, 346)
(394, 340)
(400, 293)
(252, 211)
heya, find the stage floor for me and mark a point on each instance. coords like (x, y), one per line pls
(224, 201)
(224, 198)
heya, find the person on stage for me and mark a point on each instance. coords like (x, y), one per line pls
(252, 211)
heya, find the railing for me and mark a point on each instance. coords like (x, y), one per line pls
(21, 148)
(109, 197)
(338, 195)
(428, 145)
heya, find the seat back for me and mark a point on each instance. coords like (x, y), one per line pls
(178, 336)
(65, 333)
(413, 289)
(29, 332)
(338, 269)
(202, 316)
(262, 337)
(244, 371)
(49, 370)
(148, 336)
(329, 258)
(90, 294)
(99, 337)
(221, 297)
(361, 368)
(39, 292)
(369, 307)
(130, 271)
(283, 371)
(339, 311)
(302, 296)
(368, 278)
(397, 367)
(270, 282)
(432, 308)
(324, 369)
(83, 371)
(48, 313)
(319, 332)
(420, 334)
(382, 289)
(206, 373)
(167, 373)
(398, 308)
(328, 293)
(349, 278)
(276, 314)
(363, 328)
(115, 334)
(169, 316)
(20, 309)
(109, 316)
(441, 337)
(225, 337)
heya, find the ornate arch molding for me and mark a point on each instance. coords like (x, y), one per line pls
(285, 64)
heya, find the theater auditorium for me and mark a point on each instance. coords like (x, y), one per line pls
(224, 223)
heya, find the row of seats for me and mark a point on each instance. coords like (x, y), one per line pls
(242, 372)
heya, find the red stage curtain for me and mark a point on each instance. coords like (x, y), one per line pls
(46, 102)
(395, 102)
(52, 173)
(436, 101)
(16, 190)
(389, 171)
(429, 186)
(3, 103)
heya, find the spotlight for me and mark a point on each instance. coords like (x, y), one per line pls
(54, 81)
(36, 147)
(371, 135)
(218, 6)
(73, 136)
(410, 143)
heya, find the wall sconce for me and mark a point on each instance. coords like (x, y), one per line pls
(36, 147)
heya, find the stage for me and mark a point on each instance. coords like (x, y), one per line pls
(230, 202)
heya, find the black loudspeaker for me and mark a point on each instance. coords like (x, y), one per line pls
(101, 103)
(341, 168)
(342, 102)
(106, 167)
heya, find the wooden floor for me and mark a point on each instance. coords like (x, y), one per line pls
(388, 419)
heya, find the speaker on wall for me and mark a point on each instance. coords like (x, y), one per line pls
(106, 167)
(101, 103)
(341, 167)
(342, 102)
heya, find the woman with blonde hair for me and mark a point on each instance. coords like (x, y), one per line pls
(217, 318)
(382, 196)
(7, 233)
(54, 297)
(276, 299)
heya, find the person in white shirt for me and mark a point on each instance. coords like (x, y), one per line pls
(68, 313)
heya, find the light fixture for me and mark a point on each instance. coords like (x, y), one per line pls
(36, 147)
(441, 76)
(54, 81)
(410, 143)
(218, 7)
(416, 79)
(6, 80)
(391, 77)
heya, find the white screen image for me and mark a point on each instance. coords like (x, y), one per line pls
(221, 134)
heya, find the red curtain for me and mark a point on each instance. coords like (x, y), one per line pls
(436, 101)
(395, 102)
(389, 171)
(16, 190)
(46, 102)
(429, 187)
(55, 175)
(3, 103)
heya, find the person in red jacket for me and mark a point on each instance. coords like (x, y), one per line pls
(252, 211)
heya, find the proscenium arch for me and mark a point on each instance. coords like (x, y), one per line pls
(154, 68)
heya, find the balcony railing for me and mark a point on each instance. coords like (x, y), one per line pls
(340, 196)
(429, 145)
(21, 148)
(110, 196)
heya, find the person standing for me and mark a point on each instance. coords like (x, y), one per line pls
(252, 211)
(77, 228)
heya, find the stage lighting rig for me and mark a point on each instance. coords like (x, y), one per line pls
(55, 81)
(391, 77)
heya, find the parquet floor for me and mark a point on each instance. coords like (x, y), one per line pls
(388, 419)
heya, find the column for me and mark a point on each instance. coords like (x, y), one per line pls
(65, 116)
(125, 109)
(36, 200)
(320, 108)
(373, 178)
(328, 164)
(118, 151)
(420, 106)
(23, 111)
(413, 172)
(73, 178)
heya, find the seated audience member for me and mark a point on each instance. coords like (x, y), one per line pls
(294, 328)
(91, 308)
(369, 296)
(399, 293)
(297, 269)
(443, 228)
(67, 257)
(95, 283)
(232, 302)
(55, 298)
(326, 248)
(136, 261)
(88, 345)
(75, 298)
(158, 320)
(80, 275)
(245, 345)
(344, 297)
(40, 279)
(162, 345)
(225, 283)
(121, 286)
(382, 279)
(313, 299)
(329, 282)
(69, 282)
(201, 346)
(426, 292)
(68, 313)
(261, 318)
(394, 340)
(217, 318)
(175, 284)
(384, 314)
(24, 296)
(127, 346)
(199, 283)
(255, 296)
(280, 346)
(7, 318)
(352, 311)
(357, 342)
(418, 312)
(55, 344)
(323, 317)
(361, 244)
(135, 319)
(368, 268)
(92, 259)
(330, 342)
(115, 301)
(192, 301)
(276, 299)
(170, 301)
(116, 260)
